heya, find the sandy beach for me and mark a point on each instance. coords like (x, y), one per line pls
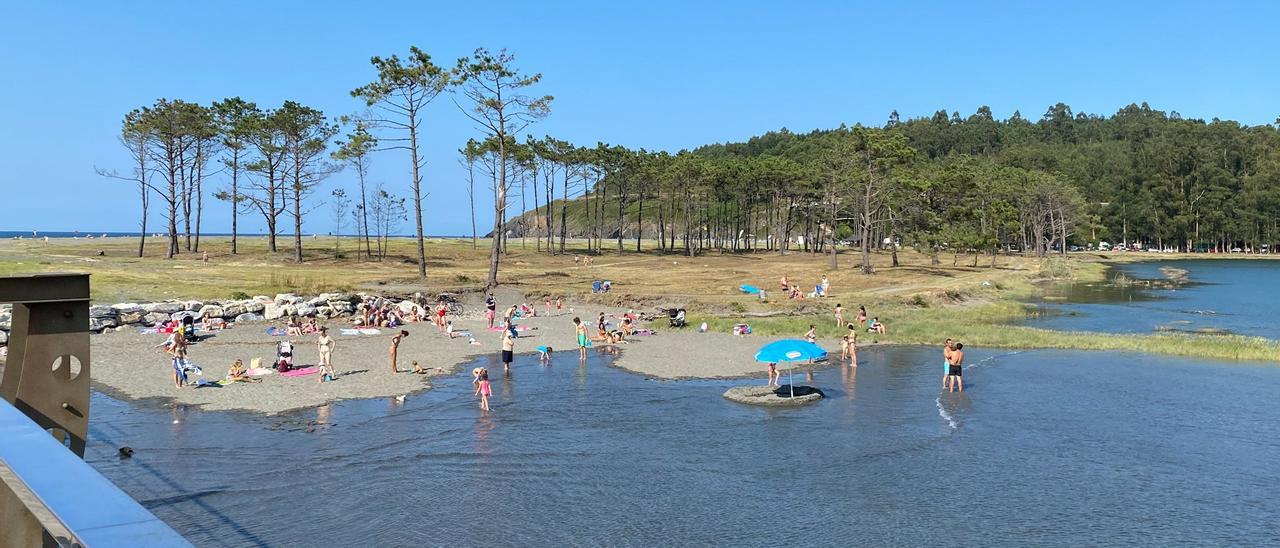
(125, 364)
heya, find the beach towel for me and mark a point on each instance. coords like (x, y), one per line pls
(361, 331)
(749, 289)
(644, 332)
(301, 372)
(148, 330)
(210, 384)
(276, 331)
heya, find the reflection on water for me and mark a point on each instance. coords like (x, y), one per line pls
(1220, 296)
(1042, 448)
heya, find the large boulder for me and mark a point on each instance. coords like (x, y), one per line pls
(126, 318)
(211, 311)
(255, 306)
(178, 316)
(407, 307)
(248, 317)
(6, 319)
(273, 312)
(287, 298)
(324, 312)
(341, 307)
(98, 324)
(163, 308)
(153, 318)
(101, 311)
(305, 310)
(127, 308)
(234, 309)
(328, 297)
(317, 301)
(4, 337)
(193, 306)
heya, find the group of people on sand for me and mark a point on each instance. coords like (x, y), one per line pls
(793, 291)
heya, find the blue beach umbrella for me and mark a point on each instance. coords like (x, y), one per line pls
(790, 350)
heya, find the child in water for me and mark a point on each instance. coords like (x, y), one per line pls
(544, 354)
(483, 390)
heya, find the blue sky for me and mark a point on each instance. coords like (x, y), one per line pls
(659, 75)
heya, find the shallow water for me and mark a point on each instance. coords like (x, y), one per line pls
(1236, 296)
(1062, 448)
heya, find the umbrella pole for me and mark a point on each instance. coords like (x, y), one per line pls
(791, 383)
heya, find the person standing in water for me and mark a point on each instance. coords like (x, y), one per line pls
(957, 368)
(395, 346)
(508, 350)
(580, 330)
(946, 364)
(484, 390)
(326, 344)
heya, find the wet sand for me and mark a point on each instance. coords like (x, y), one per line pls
(125, 364)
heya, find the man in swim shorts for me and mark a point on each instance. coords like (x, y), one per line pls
(957, 368)
(581, 330)
(946, 363)
(508, 349)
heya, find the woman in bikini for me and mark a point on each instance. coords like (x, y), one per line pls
(395, 346)
(839, 315)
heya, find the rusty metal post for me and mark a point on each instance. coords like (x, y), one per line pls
(47, 372)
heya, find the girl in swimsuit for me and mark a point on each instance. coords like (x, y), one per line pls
(862, 316)
(839, 315)
(326, 345)
(484, 390)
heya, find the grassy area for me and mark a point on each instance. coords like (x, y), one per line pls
(920, 302)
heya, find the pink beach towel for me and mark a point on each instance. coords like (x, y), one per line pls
(300, 372)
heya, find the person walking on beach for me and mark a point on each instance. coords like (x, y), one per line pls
(956, 371)
(580, 329)
(395, 346)
(508, 350)
(946, 363)
(839, 315)
(326, 344)
(490, 309)
(484, 390)
(178, 356)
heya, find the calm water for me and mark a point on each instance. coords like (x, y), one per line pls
(1237, 296)
(1046, 447)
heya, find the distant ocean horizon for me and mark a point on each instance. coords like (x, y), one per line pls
(11, 234)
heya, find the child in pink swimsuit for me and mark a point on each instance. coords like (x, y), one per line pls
(484, 391)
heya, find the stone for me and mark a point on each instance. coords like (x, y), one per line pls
(98, 324)
(4, 337)
(305, 310)
(324, 312)
(255, 306)
(765, 396)
(127, 308)
(263, 299)
(248, 317)
(163, 308)
(273, 312)
(287, 298)
(192, 305)
(100, 311)
(6, 319)
(130, 317)
(122, 328)
(233, 310)
(178, 316)
(153, 318)
(317, 301)
(211, 311)
(341, 307)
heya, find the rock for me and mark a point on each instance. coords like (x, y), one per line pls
(233, 310)
(287, 298)
(263, 299)
(347, 297)
(255, 306)
(324, 312)
(248, 317)
(765, 395)
(98, 324)
(341, 307)
(100, 311)
(273, 312)
(192, 305)
(211, 311)
(305, 310)
(6, 319)
(153, 318)
(4, 337)
(122, 328)
(127, 308)
(130, 317)
(163, 308)
(317, 301)
(178, 316)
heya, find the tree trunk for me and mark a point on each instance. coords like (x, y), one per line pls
(417, 192)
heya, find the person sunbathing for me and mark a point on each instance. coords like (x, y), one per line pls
(627, 326)
(294, 327)
(310, 327)
(239, 374)
(601, 336)
(877, 327)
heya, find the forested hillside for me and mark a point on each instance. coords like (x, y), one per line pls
(1138, 176)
